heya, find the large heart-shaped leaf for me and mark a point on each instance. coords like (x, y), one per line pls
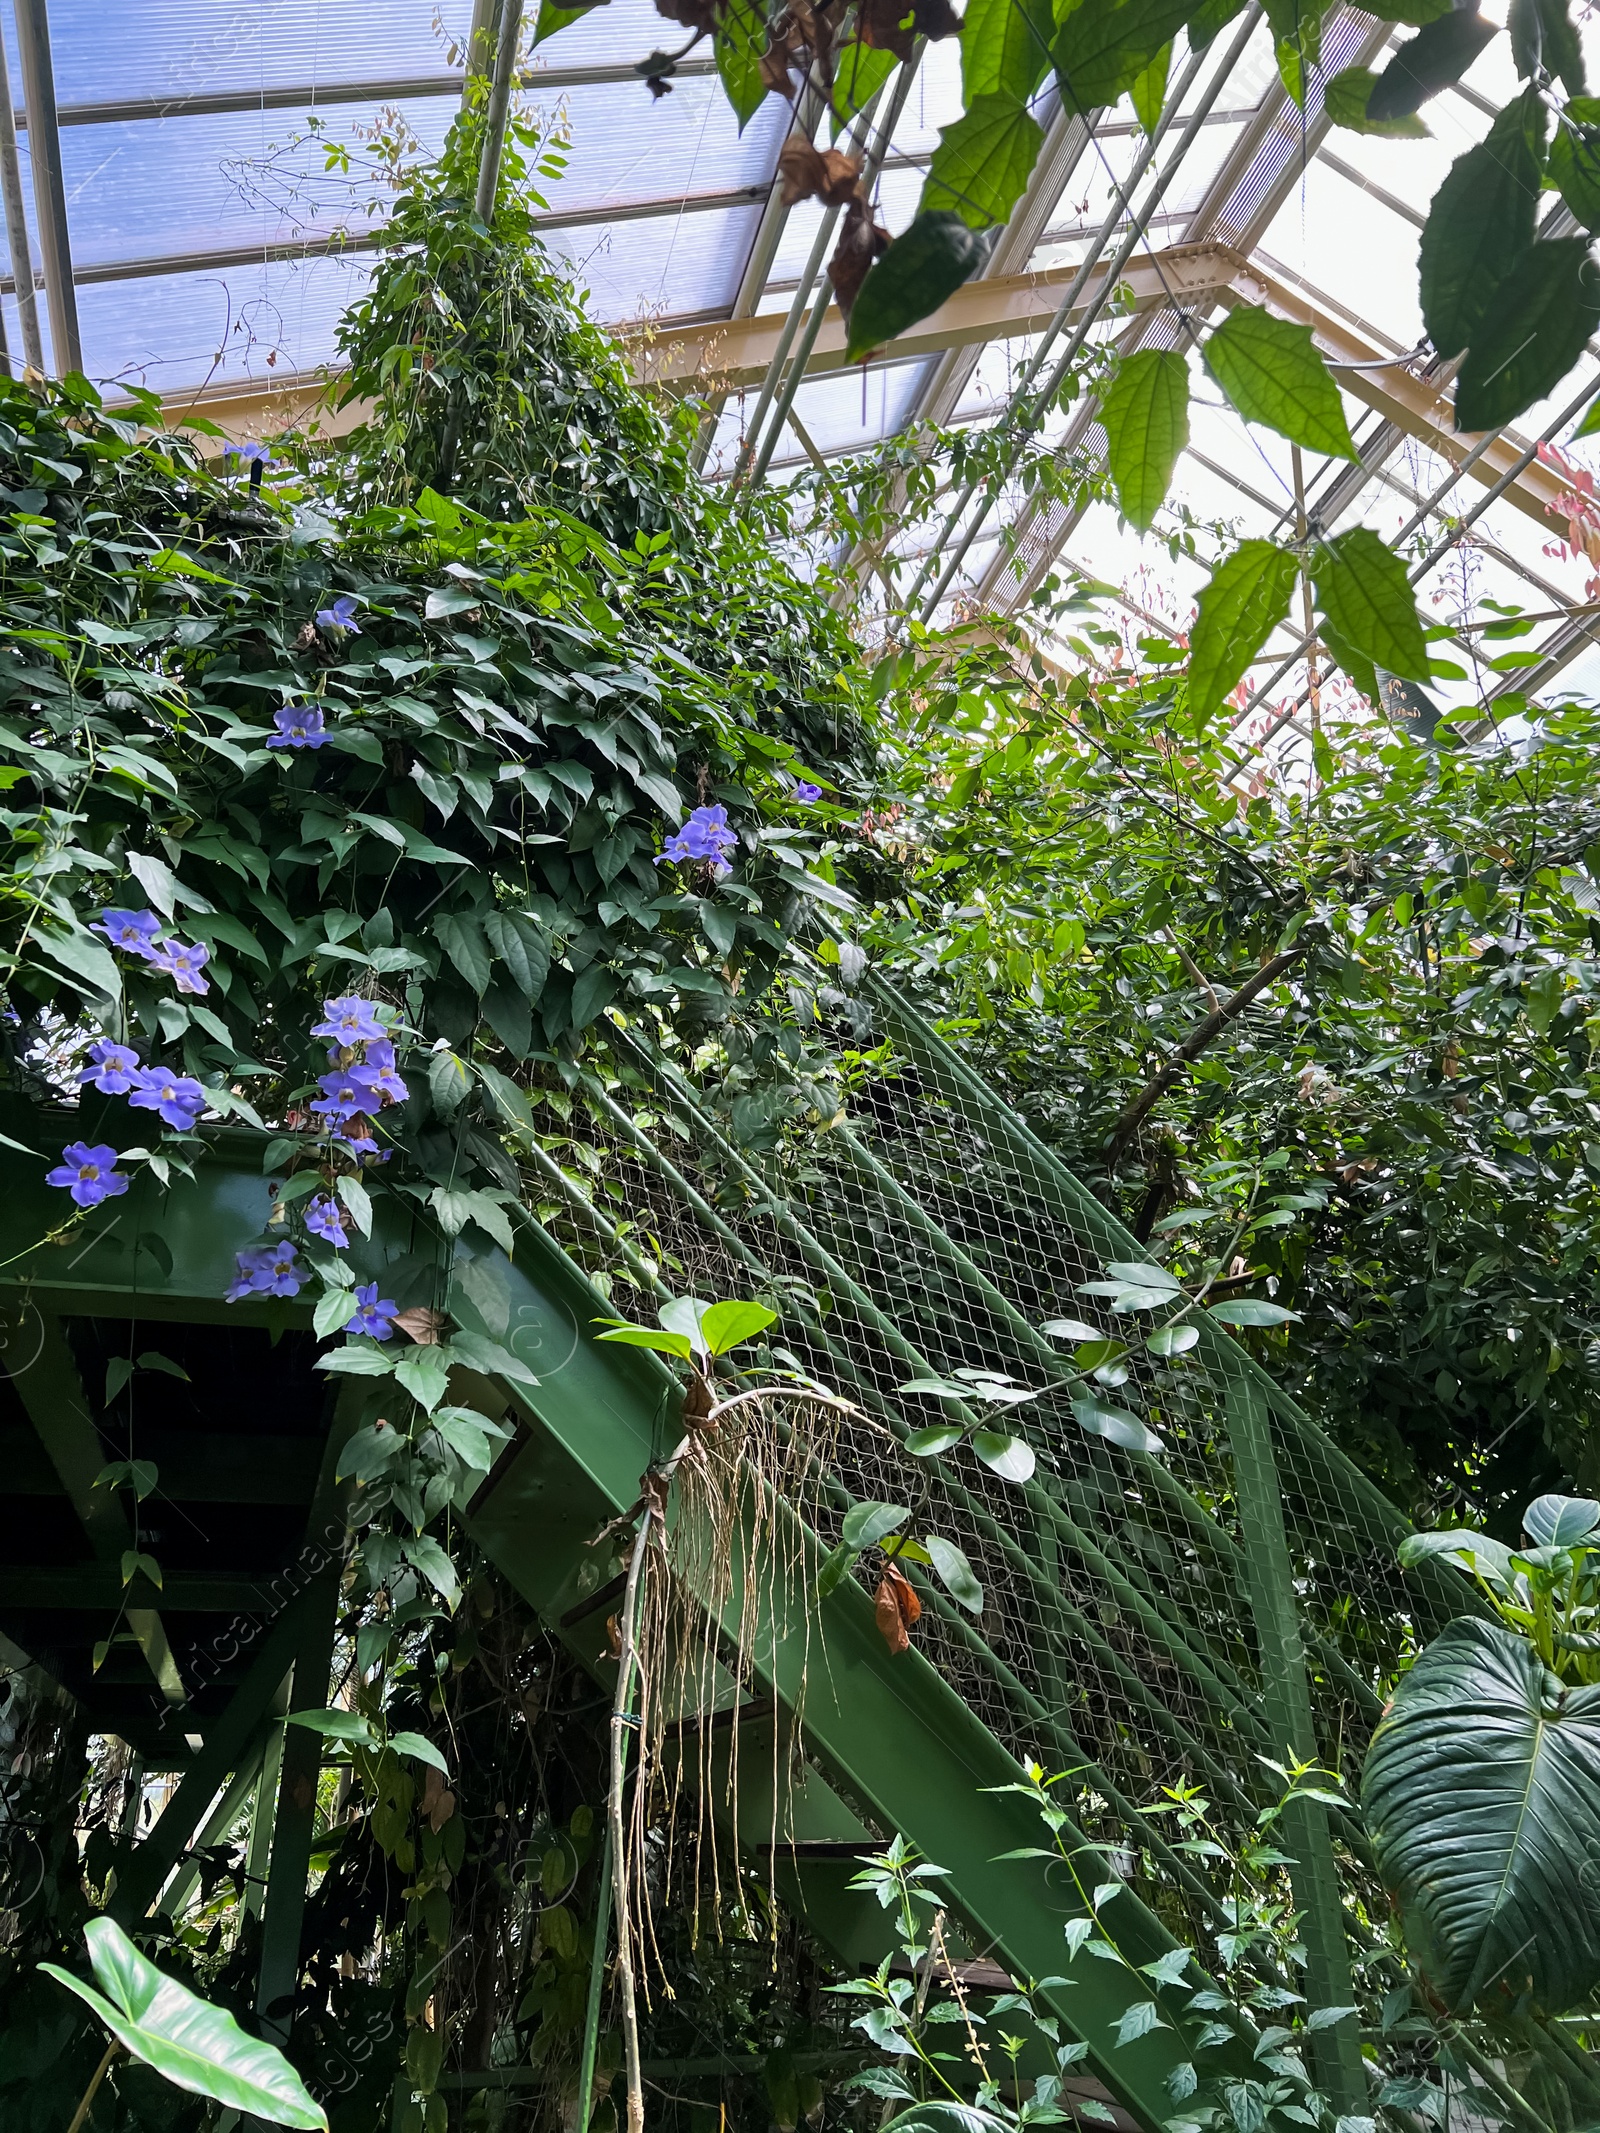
(1482, 1795)
(193, 2044)
(1560, 1521)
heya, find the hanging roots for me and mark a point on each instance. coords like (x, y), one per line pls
(725, 1587)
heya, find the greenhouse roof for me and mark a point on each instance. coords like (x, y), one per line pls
(212, 251)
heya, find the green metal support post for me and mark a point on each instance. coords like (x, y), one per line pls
(294, 1815)
(1270, 1591)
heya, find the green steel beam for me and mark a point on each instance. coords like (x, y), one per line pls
(74, 1588)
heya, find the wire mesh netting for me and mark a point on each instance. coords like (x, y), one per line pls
(1127, 1630)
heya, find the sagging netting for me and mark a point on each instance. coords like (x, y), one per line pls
(1134, 1603)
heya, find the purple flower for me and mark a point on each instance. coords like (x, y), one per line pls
(324, 1218)
(299, 726)
(380, 1081)
(380, 1052)
(251, 454)
(182, 961)
(705, 835)
(133, 931)
(269, 1270)
(374, 1318)
(341, 616)
(111, 1068)
(350, 1021)
(179, 1098)
(342, 1097)
(89, 1174)
(805, 792)
(360, 1142)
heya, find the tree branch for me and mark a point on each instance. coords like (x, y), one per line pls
(1192, 1046)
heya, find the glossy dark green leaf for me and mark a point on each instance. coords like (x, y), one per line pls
(1297, 41)
(1345, 99)
(420, 1749)
(1005, 47)
(867, 1523)
(518, 941)
(1537, 328)
(1543, 38)
(928, 1443)
(189, 2042)
(835, 1569)
(462, 941)
(1363, 590)
(1481, 1793)
(1272, 373)
(983, 161)
(1100, 50)
(1251, 1311)
(1145, 410)
(1209, 17)
(553, 18)
(1574, 163)
(1244, 600)
(921, 268)
(1437, 56)
(860, 71)
(955, 1572)
(1116, 1425)
(1009, 1457)
(738, 41)
(1480, 223)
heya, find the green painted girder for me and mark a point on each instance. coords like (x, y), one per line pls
(891, 1730)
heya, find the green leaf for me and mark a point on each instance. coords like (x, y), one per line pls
(553, 18)
(1345, 98)
(140, 1475)
(1363, 590)
(593, 990)
(928, 1443)
(118, 1372)
(369, 1453)
(982, 163)
(1005, 47)
(1271, 372)
(419, 1750)
(519, 943)
(335, 1309)
(647, 1337)
(84, 957)
(1138, 2021)
(1478, 1553)
(955, 1573)
(463, 942)
(867, 1523)
(920, 269)
(135, 1564)
(1101, 49)
(359, 1201)
(152, 1359)
(467, 1435)
(835, 1569)
(1439, 55)
(448, 1081)
(1480, 224)
(1172, 1340)
(478, 1352)
(1116, 1425)
(1251, 1311)
(1481, 1791)
(1244, 600)
(1149, 92)
(335, 1725)
(356, 1360)
(190, 2043)
(738, 41)
(425, 1373)
(725, 1325)
(1560, 1521)
(1009, 1457)
(860, 71)
(1070, 1329)
(425, 1554)
(1574, 164)
(1214, 15)
(1145, 410)
(1536, 329)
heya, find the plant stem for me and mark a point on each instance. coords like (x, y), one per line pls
(100, 2072)
(597, 1971)
(621, 1719)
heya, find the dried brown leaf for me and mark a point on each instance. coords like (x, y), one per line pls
(886, 1608)
(895, 25)
(427, 1328)
(861, 241)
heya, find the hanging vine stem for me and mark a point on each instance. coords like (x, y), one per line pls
(622, 1719)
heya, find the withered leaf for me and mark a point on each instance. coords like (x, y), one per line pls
(886, 1608)
(894, 25)
(807, 172)
(693, 14)
(427, 1328)
(861, 241)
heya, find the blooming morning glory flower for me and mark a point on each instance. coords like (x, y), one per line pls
(252, 454)
(374, 1318)
(179, 1098)
(342, 1097)
(182, 961)
(111, 1068)
(324, 1218)
(133, 931)
(269, 1270)
(380, 1081)
(350, 1021)
(89, 1174)
(299, 726)
(359, 1141)
(805, 792)
(340, 616)
(705, 835)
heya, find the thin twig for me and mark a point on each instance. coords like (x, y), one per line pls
(621, 1725)
(100, 2072)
